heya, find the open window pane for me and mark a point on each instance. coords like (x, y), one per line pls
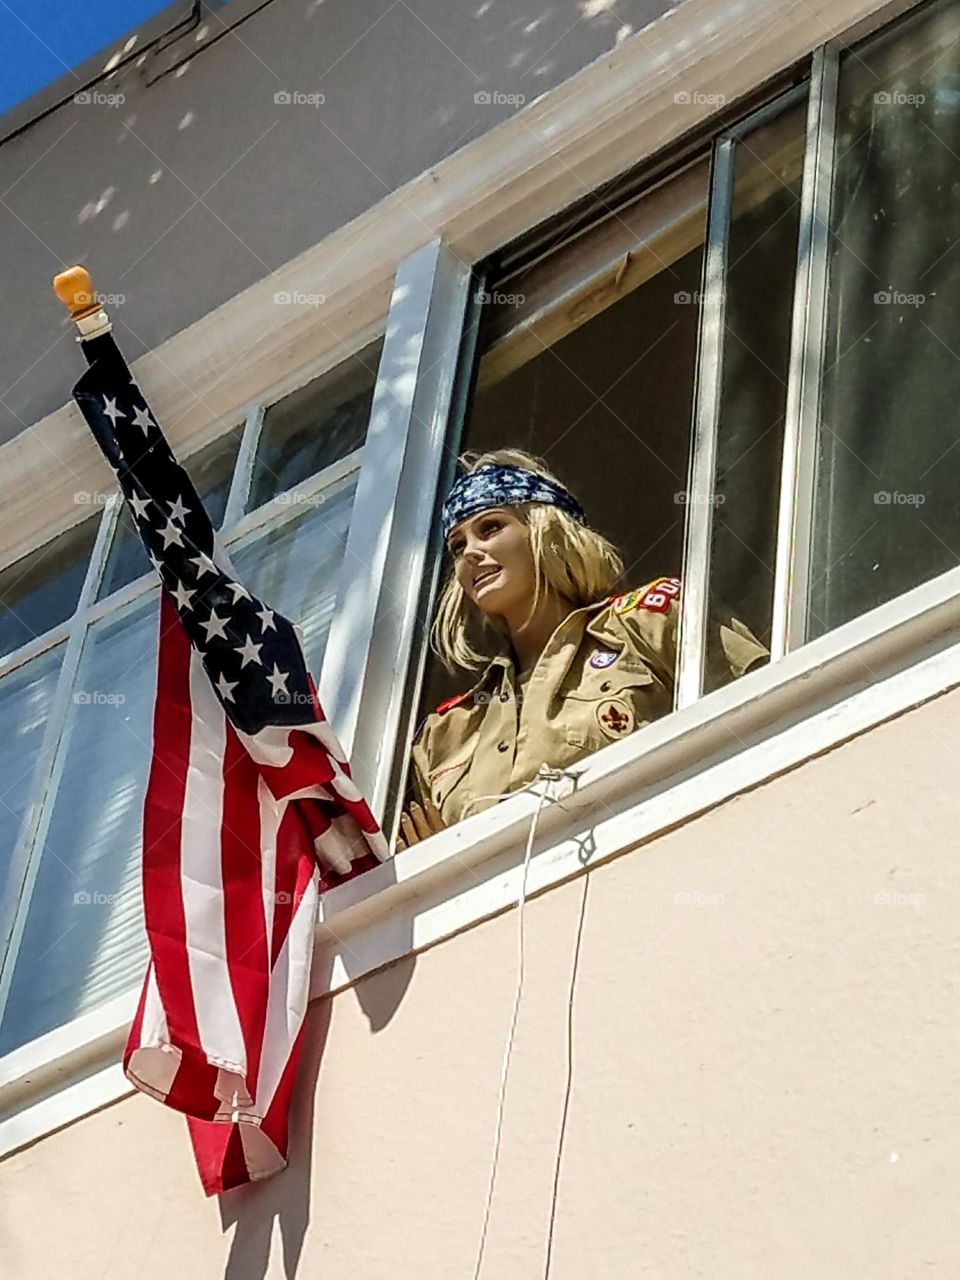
(41, 590)
(83, 941)
(887, 509)
(211, 470)
(758, 302)
(315, 426)
(587, 360)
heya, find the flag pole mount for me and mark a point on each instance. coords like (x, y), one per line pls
(74, 288)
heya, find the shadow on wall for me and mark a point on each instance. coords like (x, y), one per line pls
(286, 1199)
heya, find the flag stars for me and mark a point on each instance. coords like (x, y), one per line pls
(142, 419)
(139, 506)
(249, 652)
(178, 511)
(226, 687)
(111, 411)
(214, 626)
(183, 596)
(171, 533)
(266, 620)
(278, 682)
(203, 563)
(239, 592)
(155, 562)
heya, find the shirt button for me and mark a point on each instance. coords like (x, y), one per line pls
(605, 686)
(503, 746)
(504, 697)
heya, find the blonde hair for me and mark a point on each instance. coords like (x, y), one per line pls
(578, 563)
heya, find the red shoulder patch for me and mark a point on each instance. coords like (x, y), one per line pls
(655, 596)
(447, 703)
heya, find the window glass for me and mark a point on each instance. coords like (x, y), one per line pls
(315, 426)
(83, 940)
(211, 470)
(758, 304)
(295, 567)
(25, 698)
(887, 507)
(41, 590)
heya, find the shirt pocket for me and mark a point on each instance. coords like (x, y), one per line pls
(443, 780)
(610, 706)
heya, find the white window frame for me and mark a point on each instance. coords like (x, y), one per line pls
(856, 676)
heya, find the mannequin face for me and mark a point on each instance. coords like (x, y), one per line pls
(493, 561)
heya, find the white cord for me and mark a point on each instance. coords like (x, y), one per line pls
(546, 774)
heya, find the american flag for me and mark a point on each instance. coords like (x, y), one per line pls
(250, 813)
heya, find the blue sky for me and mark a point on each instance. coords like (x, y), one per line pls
(42, 39)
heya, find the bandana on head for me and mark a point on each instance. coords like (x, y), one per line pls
(495, 486)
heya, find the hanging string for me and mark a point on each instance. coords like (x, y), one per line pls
(546, 774)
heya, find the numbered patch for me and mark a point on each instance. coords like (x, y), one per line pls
(655, 596)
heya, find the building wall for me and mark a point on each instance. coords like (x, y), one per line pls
(200, 184)
(764, 1073)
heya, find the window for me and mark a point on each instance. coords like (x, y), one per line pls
(591, 352)
(79, 713)
(747, 374)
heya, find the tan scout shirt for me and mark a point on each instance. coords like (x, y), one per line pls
(607, 670)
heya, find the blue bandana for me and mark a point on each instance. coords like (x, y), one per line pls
(494, 486)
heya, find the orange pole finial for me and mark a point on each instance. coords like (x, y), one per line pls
(74, 288)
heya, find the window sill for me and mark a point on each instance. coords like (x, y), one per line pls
(773, 719)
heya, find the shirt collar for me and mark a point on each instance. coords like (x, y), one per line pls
(596, 626)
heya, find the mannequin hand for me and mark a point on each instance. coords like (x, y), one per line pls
(418, 822)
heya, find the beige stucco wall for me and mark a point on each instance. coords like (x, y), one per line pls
(764, 1086)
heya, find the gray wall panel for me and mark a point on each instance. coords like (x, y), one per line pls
(117, 187)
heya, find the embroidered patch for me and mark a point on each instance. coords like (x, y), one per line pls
(655, 596)
(603, 658)
(615, 717)
(624, 603)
